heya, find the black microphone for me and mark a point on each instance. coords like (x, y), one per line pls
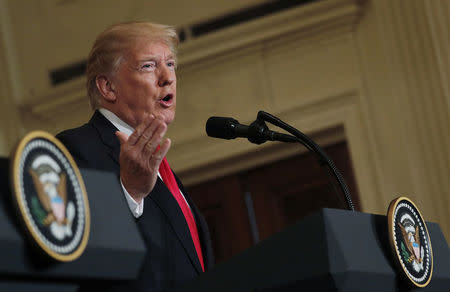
(257, 132)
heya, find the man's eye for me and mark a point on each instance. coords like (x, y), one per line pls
(148, 66)
(172, 64)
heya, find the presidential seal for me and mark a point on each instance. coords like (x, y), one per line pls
(410, 242)
(50, 196)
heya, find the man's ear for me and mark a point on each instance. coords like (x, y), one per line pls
(106, 88)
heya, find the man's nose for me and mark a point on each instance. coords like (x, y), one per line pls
(166, 76)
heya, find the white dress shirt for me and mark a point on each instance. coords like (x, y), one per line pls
(136, 208)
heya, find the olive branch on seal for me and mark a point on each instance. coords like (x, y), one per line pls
(37, 210)
(405, 254)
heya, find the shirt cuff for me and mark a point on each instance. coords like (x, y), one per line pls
(135, 208)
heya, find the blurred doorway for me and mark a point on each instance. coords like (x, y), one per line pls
(247, 206)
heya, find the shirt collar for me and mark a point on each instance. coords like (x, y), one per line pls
(116, 121)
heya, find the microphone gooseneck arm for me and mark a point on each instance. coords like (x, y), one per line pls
(313, 147)
(258, 133)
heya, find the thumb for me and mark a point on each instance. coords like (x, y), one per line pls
(123, 138)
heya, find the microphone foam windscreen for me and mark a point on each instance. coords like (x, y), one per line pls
(221, 127)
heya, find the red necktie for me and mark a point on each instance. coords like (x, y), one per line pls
(171, 183)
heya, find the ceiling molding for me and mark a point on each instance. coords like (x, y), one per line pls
(307, 21)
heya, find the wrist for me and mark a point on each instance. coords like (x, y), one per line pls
(135, 195)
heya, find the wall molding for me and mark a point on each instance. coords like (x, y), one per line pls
(304, 21)
(332, 119)
(309, 22)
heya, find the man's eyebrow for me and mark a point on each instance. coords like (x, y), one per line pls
(155, 58)
(149, 58)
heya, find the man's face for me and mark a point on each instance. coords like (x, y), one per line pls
(145, 83)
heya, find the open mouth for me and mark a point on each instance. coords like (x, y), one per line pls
(167, 98)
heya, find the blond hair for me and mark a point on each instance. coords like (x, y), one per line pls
(111, 45)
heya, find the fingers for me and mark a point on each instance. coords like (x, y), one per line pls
(136, 135)
(145, 139)
(151, 137)
(157, 157)
(165, 148)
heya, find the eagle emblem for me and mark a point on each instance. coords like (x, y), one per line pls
(50, 197)
(410, 242)
(411, 248)
(52, 207)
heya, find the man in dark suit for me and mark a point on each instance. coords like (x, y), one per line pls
(131, 83)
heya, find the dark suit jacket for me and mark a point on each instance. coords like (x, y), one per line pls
(171, 257)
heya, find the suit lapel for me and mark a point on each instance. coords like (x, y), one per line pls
(167, 203)
(160, 194)
(106, 131)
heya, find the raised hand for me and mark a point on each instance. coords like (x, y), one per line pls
(139, 158)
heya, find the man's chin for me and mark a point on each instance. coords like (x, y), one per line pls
(167, 117)
(169, 121)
